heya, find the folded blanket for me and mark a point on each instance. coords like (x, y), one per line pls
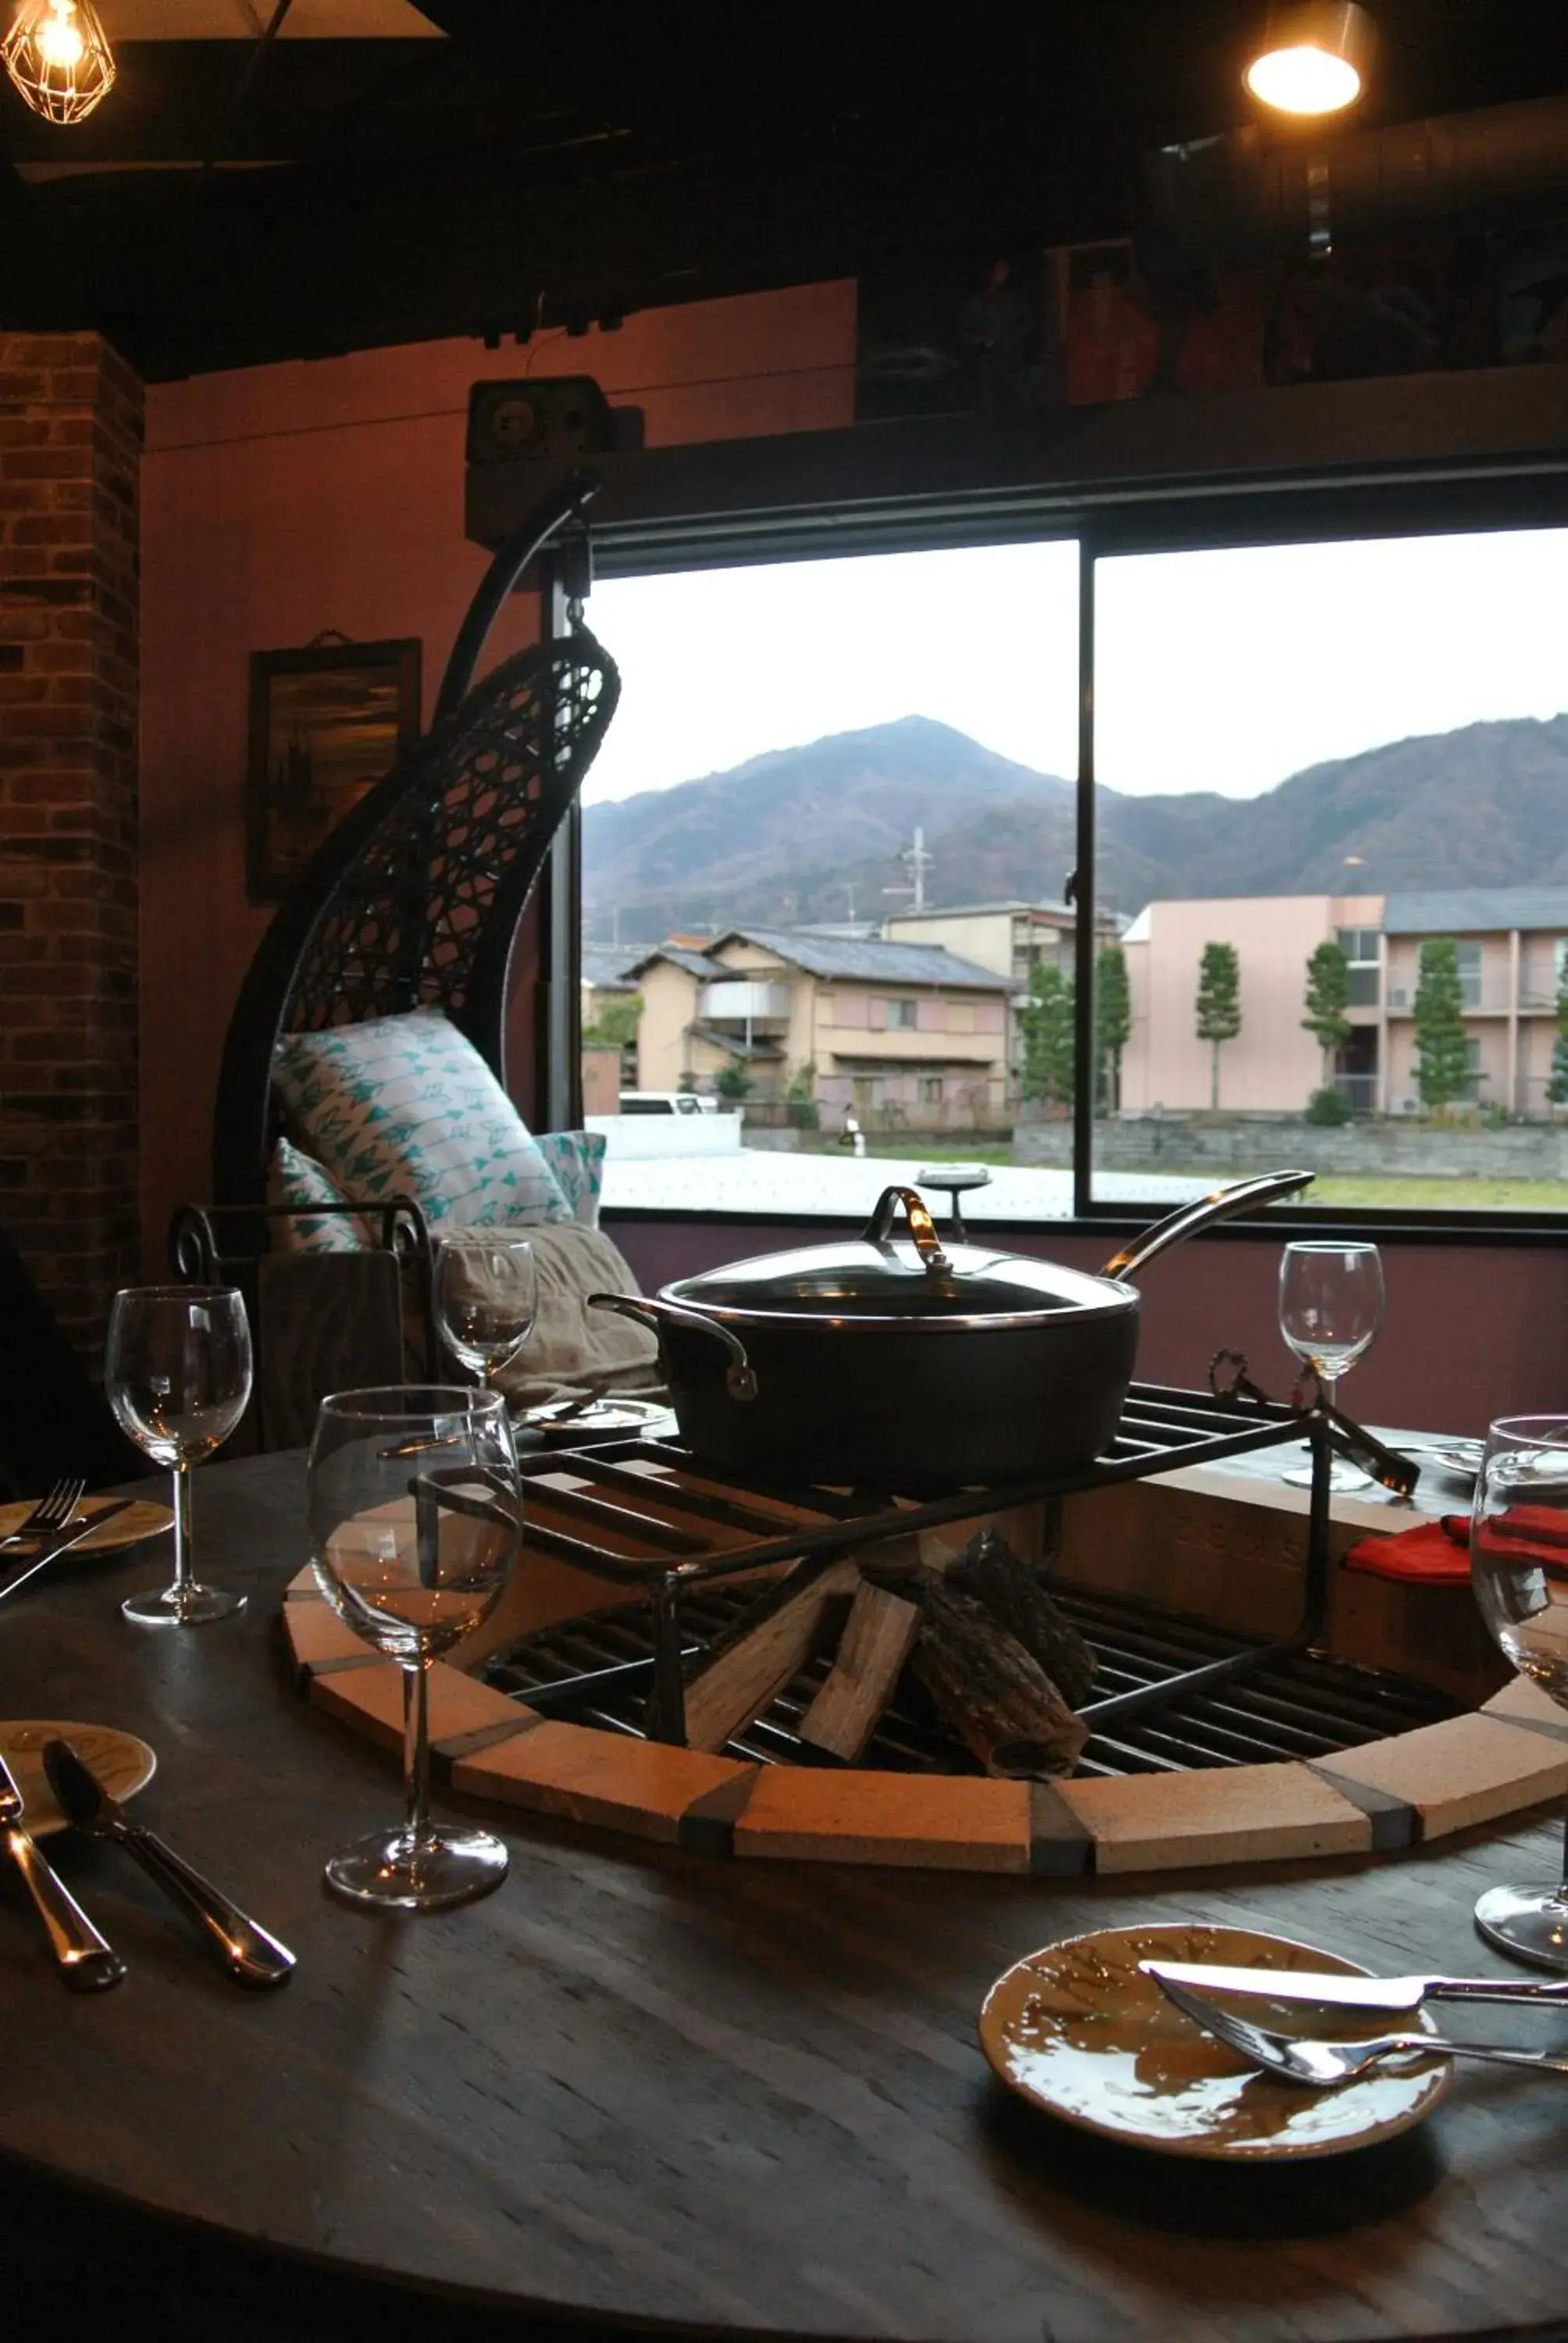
(1439, 1551)
(573, 1348)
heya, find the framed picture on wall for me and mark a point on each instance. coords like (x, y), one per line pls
(326, 723)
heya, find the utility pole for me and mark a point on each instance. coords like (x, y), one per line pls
(917, 860)
(849, 893)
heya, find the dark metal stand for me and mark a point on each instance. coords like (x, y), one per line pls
(1162, 1431)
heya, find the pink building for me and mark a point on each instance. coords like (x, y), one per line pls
(1512, 944)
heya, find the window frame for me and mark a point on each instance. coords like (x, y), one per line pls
(1448, 497)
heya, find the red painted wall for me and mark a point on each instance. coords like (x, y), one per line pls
(1470, 1332)
(283, 500)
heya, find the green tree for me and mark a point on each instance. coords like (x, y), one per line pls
(733, 1082)
(1046, 1021)
(1328, 997)
(1441, 1045)
(615, 1026)
(1557, 1088)
(1218, 1006)
(1112, 1020)
(800, 1096)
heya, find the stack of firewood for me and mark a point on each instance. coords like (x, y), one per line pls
(1003, 1668)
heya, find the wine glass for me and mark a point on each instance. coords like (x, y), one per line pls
(1519, 1569)
(1331, 1306)
(177, 1368)
(415, 1508)
(485, 1292)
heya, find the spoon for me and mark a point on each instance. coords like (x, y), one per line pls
(1318, 2066)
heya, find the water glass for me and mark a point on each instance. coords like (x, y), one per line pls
(1519, 1569)
(177, 1369)
(484, 1293)
(415, 1508)
(1331, 1307)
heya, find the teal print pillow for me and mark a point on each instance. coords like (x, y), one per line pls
(576, 1159)
(299, 1182)
(408, 1103)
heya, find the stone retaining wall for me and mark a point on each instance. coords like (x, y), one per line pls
(1260, 1142)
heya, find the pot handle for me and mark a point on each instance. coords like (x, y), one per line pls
(923, 1228)
(1201, 1214)
(738, 1378)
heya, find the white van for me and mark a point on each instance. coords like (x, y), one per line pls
(666, 1102)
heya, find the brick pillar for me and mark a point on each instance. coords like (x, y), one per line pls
(70, 446)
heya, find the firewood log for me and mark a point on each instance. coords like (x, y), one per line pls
(990, 1571)
(876, 1642)
(747, 1667)
(990, 1690)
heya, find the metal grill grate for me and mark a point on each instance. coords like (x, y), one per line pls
(1306, 1706)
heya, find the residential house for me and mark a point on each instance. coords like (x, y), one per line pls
(901, 1034)
(1512, 944)
(1013, 938)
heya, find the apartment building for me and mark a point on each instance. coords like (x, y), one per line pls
(1512, 944)
(1013, 939)
(898, 1033)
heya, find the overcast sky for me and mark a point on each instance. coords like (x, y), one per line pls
(1222, 671)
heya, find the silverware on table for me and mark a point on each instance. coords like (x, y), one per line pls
(51, 1513)
(1320, 2066)
(87, 1962)
(250, 1954)
(1351, 1992)
(72, 1534)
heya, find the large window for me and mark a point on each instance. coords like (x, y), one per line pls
(831, 836)
(1333, 777)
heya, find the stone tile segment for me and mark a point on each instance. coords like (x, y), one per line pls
(1469, 1769)
(1242, 1813)
(640, 1786)
(950, 1822)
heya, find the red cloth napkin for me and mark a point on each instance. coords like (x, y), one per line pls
(1439, 1551)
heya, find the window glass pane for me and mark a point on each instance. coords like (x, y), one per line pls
(824, 846)
(1333, 779)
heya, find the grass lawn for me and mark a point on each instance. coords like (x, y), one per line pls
(1437, 1194)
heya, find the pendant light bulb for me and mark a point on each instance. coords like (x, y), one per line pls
(59, 56)
(1313, 59)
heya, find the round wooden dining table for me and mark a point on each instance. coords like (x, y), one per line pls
(642, 2090)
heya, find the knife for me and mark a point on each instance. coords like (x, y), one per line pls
(71, 1535)
(87, 1962)
(250, 1956)
(1352, 1992)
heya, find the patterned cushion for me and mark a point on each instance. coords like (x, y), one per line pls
(299, 1181)
(576, 1159)
(405, 1102)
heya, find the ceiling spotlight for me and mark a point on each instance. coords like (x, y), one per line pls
(59, 57)
(1314, 58)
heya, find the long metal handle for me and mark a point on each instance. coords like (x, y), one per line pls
(248, 1952)
(1202, 1213)
(87, 1962)
(1510, 1989)
(739, 1380)
(1483, 2054)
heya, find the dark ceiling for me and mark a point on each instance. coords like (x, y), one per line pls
(547, 165)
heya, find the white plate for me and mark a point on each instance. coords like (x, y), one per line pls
(1077, 2030)
(123, 1764)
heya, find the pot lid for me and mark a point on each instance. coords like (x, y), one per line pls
(913, 1277)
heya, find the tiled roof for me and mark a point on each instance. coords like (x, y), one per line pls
(873, 961)
(1475, 910)
(607, 970)
(695, 964)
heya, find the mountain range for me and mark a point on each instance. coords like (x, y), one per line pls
(797, 835)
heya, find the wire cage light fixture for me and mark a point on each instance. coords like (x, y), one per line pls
(59, 56)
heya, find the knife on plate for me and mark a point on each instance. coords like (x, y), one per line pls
(1351, 1992)
(72, 1535)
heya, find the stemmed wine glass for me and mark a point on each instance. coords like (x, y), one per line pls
(1331, 1306)
(485, 1294)
(177, 1369)
(415, 1508)
(1519, 1569)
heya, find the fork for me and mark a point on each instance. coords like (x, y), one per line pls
(1320, 2066)
(50, 1513)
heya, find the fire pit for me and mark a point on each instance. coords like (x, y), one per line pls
(759, 1673)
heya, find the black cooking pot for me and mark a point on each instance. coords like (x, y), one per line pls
(903, 1364)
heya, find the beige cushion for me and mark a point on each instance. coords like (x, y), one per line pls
(572, 1346)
